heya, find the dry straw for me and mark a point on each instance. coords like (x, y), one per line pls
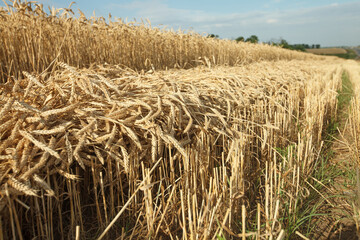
(179, 154)
(210, 132)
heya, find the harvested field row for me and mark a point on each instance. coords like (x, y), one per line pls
(33, 40)
(180, 153)
(354, 146)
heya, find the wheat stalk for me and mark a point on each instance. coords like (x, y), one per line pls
(39, 144)
(77, 149)
(41, 163)
(6, 107)
(58, 111)
(67, 175)
(44, 185)
(33, 79)
(57, 129)
(21, 187)
(126, 159)
(86, 128)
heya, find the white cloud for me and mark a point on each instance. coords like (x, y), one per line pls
(335, 24)
(160, 13)
(271, 20)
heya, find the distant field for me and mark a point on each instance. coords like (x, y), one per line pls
(339, 52)
(327, 51)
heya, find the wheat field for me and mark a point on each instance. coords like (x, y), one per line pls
(123, 131)
(33, 40)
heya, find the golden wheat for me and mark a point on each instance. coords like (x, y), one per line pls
(66, 38)
(209, 129)
(179, 154)
(21, 187)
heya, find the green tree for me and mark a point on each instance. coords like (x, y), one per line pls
(284, 44)
(253, 39)
(212, 36)
(299, 47)
(240, 39)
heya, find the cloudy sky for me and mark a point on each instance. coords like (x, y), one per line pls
(325, 22)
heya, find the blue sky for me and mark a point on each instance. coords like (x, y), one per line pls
(329, 23)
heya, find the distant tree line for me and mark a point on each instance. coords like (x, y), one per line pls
(252, 38)
(281, 42)
(299, 47)
(213, 35)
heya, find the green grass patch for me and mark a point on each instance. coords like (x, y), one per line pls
(350, 54)
(344, 97)
(317, 203)
(346, 93)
